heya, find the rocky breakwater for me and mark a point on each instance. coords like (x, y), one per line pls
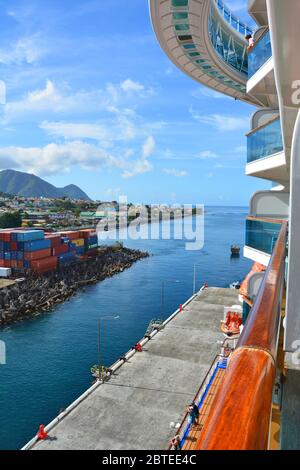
(35, 295)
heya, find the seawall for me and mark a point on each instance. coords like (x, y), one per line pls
(35, 295)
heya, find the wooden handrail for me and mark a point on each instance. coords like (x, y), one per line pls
(265, 219)
(262, 126)
(240, 417)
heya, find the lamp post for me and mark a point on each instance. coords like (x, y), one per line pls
(175, 281)
(195, 278)
(106, 318)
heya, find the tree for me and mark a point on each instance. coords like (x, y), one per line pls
(10, 220)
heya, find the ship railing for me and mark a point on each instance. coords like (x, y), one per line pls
(241, 415)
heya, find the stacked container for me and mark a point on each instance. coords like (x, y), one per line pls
(33, 249)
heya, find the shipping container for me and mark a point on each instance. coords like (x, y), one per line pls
(80, 250)
(5, 272)
(59, 250)
(44, 265)
(79, 242)
(37, 245)
(71, 235)
(87, 233)
(27, 235)
(66, 259)
(14, 246)
(40, 254)
(54, 239)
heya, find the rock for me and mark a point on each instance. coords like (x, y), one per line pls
(40, 294)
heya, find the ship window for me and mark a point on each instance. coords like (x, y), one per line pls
(194, 54)
(185, 38)
(182, 27)
(189, 46)
(180, 3)
(180, 16)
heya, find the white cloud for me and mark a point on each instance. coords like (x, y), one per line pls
(130, 85)
(62, 100)
(69, 130)
(148, 147)
(209, 175)
(207, 155)
(139, 167)
(221, 122)
(174, 172)
(25, 50)
(57, 158)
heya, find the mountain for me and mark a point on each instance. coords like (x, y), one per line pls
(24, 184)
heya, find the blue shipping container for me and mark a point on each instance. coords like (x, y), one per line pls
(20, 255)
(37, 245)
(7, 256)
(27, 235)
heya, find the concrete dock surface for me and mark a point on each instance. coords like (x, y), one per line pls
(134, 409)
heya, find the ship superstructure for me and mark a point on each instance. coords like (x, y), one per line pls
(261, 387)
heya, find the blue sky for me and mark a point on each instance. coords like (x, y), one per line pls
(93, 100)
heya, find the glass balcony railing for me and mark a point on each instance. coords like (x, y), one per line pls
(265, 141)
(260, 54)
(233, 20)
(262, 235)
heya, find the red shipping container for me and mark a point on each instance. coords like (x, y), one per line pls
(59, 250)
(71, 235)
(20, 264)
(87, 233)
(6, 263)
(14, 246)
(44, 265)
(40, 254)
(14, 263)
(55, 239)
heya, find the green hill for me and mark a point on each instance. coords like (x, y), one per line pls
(24, 184)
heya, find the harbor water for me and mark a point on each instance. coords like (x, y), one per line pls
(49, 357)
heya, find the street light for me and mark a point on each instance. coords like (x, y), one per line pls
(175, 281)
(195, 277)
(105, 318)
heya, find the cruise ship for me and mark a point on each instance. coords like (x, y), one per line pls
(248, 386)
(257, 405)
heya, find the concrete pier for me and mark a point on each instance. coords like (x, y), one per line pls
(134, 409)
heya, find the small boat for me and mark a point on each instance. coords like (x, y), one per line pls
(235, 285)
(235, 250)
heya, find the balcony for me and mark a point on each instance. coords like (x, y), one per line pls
(265, 141)
(260, 54)
(261, 78)
(265, 152)
(261, 238)
(251, 373)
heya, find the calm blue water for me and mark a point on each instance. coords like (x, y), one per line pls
(49, 358)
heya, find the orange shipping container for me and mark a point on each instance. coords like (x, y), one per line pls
(44, 265)
(71, 235)
(87, 233)
(40, 254)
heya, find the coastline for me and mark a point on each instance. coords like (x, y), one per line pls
(37, 295)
